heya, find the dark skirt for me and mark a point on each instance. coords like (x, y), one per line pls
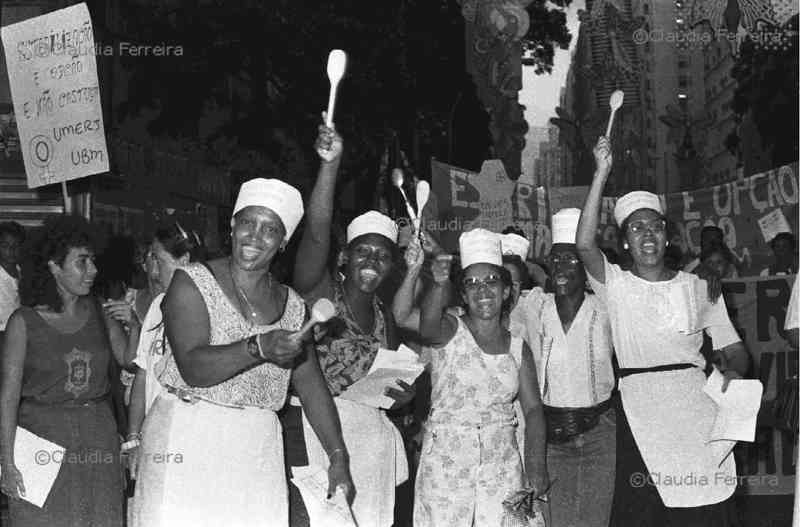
(88, 491)
(639, 505)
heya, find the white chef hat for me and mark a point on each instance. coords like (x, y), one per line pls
(515, 244)
(633, 201)
(276, 195)
(480, 246)
(565, 225)
(372, 222)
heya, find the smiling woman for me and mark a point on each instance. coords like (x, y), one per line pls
(658, 318)
(470, 459)
(58, 369)
(231, 328)
(348, 345)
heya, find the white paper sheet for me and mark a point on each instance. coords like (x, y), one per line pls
(38, 460)
(737, 413)
(312, 481)
(773, 224)
(403, 364)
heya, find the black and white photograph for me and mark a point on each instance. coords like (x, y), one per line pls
(399, 263)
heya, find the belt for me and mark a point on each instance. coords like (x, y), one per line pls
(187, 396)
(565, 423)
(624, 372)
(74, 403)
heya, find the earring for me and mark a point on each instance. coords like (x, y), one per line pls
(625, 246)
(667, 244)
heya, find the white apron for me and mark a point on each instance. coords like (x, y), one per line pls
(377, 459)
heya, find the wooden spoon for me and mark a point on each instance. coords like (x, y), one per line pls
(397, 181)
(337, 61)
(615, 102)
(423, 193)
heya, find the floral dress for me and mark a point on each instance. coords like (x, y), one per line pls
(470, 458)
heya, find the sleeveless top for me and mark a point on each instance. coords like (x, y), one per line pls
(473, 388)
(64, 367)
(263, 386)
(346, 353)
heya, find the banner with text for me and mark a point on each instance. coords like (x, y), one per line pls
(750, 211)
(53, 76)
(758, 310)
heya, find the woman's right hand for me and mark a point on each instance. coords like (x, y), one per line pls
(280, 348)
(414, 255)
(11, 483)
(602, 155)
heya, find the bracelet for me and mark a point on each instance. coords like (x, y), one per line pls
(336, 451)
(129, 445)
(253, 344)
(133, 435)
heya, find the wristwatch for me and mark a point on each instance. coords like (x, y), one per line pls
(254, 347)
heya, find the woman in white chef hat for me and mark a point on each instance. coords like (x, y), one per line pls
(570, 339)
(349, 345)
(231, 329)
(470, 460)
(658, 317)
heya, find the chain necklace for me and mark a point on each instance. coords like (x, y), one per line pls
(241, 294)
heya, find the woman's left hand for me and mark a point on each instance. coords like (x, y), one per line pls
(339, 476)
(329, 145)
(121, 311)
(539, 480)
(401, 397)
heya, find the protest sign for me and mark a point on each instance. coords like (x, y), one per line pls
(53, 75)
(466, 200)
(757, 307)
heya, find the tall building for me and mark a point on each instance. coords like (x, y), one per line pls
(548, 169)
(605, 60)
(718, 61)
(535, 136)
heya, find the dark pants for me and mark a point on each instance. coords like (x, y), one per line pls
(641, 506)
(294, 450)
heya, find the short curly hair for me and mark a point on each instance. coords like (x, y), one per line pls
(52, 242)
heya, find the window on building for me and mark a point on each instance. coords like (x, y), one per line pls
(683, 81)
(683, 63)
(646, 9)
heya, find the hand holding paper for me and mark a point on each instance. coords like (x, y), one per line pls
(738, 410)
(387, 369)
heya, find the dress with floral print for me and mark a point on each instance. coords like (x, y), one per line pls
(470, 459)
(346, 352)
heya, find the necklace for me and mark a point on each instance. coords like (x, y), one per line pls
(241, 294)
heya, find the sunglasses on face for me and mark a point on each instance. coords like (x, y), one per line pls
(473, 283)
(637, 227)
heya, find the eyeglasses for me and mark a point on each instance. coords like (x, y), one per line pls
(657, 226)
(473, 283)
(564, 260)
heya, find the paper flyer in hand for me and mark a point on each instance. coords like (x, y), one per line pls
(38, 460)
(737, 413)
(312, 481)
(389, 365)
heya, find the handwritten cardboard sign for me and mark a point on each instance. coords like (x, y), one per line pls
(53, 75)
